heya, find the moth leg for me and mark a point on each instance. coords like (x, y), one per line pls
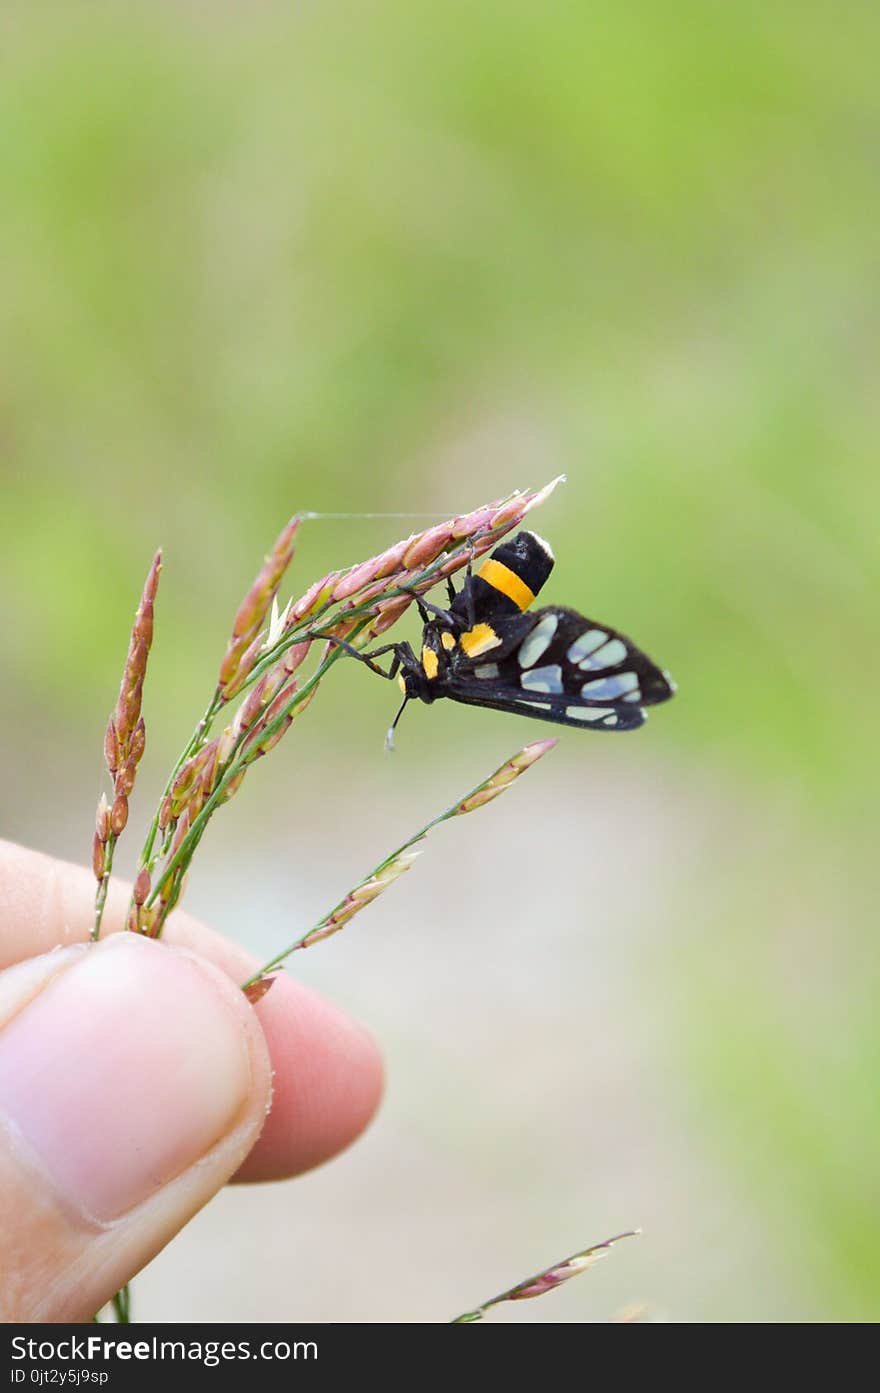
(450, 589)
(368, 658)
(468, 590)
(426, 608)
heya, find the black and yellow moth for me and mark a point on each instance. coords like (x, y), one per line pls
(489, 648)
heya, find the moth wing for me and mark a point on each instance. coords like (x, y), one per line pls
(557, 665)
(557, 710)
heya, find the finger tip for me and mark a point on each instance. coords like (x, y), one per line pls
(328, 1082)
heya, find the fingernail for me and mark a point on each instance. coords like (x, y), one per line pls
(123, 1072)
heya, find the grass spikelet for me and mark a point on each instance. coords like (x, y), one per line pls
(124, 741)
(549, 1279)
(257, 990)
(242, 649)
(394, 865)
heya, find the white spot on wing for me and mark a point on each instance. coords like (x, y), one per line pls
(610, 688)
(598, 715)
(585, 643)
(538, 641)
(610, 653)
(486, 670)
(543, 679)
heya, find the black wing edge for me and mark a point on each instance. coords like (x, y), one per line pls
(553, 709)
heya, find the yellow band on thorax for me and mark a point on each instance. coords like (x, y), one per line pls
(502, 578)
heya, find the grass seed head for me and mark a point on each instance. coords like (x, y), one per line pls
(295, 656)
(255, 991)
(98, 848)
(180, 831)
(466, 524)
(505, 776)
(125, 737)
(316, 595)
(141, 886)
(388, 614)
(102, 819)
(356, 579)
(151, 584)
(360, 897)
(209, 774)
(391, 560)
(128, 710)
(119, 814)
(553, 1277)
(245, 659)
(233, 786)
(280, 702)
(427, 546)
(549, 1279)
(111, 747)
(143, 919)
(225, 744)
(274, 737)
(404, 563)
(253, 703)
(244, 643)
(138, 742)
(255, 605)
(125, 777)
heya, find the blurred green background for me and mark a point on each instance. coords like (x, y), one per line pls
(399, 256)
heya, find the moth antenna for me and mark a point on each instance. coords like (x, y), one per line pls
(389, 736)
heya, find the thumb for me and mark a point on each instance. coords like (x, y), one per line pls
(134, 1079)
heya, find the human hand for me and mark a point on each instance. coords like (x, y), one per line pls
(135, 1081)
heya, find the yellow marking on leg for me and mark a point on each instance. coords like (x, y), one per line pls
(430, 663)
(502, 578)
(447, 640)
(479, 640)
